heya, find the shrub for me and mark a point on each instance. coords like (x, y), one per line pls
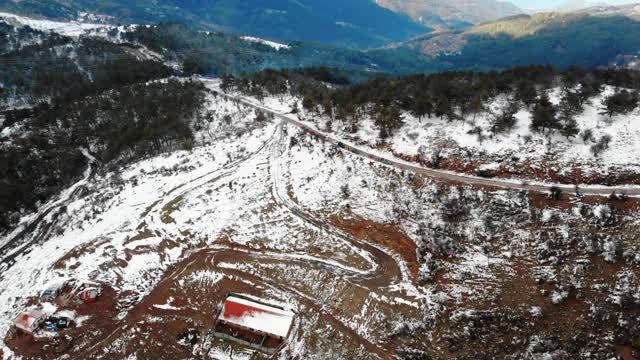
(555, 193)
(601, 146)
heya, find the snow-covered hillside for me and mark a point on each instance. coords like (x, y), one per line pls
(129, 228)
(183, 193)
(470, 145)
(106, 218)
(382, 260)
(73, 29)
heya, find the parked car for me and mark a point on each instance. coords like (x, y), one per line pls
(54, 323)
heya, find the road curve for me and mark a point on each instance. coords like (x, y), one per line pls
(387, 270)
(511, 184)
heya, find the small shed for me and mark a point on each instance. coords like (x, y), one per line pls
(89, 295)
(53, 290)
(29, 321)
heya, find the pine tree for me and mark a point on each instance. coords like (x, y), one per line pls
(570, 106)
(505, 120)
(476, 106)
(622, 102)
(526, 92)
(227, 82)
(443, 107)
(308, 103)
(544, 115)
(327, 106)
(422, 106)
(570, 128)
(388, 119)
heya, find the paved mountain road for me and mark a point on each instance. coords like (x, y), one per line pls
(512, 184)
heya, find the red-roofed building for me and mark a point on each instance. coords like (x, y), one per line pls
(29, 321)
(254, 323)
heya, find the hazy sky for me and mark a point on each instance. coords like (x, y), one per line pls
(549, 4)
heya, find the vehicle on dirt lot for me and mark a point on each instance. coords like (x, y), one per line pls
(54, 323)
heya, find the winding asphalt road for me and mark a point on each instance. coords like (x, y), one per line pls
(511, 184)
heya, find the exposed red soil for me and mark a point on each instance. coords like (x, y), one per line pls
(227, 243)
(78, 252)
(387, 235)
(101, 312)
(627, 352)
(143, 234)
(540, 171)
(570, 200)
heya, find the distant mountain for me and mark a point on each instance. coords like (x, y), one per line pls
(353, 23)
(631, 11)
(573, 5)
(216, 53)
(452, 13)
(560, 39)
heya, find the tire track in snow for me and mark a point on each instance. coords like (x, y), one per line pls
(384, 271)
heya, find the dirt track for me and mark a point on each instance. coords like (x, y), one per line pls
(513, 184)
(383, 272)
(38, 229)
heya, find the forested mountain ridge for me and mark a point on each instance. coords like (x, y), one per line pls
(44, 65)
(547, 39)
(452, 13)
(354, 23)
(559, 39)
(59, 95)
(218, 53)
